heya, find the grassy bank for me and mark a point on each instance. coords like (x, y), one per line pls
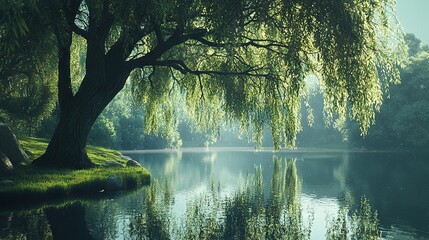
(40, 184)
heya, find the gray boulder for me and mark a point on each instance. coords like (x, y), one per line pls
(10, 146)
(113, 183)
(6, 182)
(6, 166)
(126, 157)
(133, 163)
(112, 164)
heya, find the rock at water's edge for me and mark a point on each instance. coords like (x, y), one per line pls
(6, 166)
(10, 146)
(113, 183)
(133, 163)
(126, 157)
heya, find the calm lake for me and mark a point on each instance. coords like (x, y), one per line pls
(237, 193)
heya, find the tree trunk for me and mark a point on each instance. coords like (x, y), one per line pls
(105, 77)
(77, 115)
(68, 222)
(67, 146)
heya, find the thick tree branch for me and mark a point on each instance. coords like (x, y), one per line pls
(65, 94)
(79, 31)
(175, 39)
(206, 42)
(158, 34)
(71, 10)
(64, 37)
(124, 46)
(107, 19)
(267, 44)
(184, 69)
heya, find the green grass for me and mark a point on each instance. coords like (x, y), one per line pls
(32, 183)
(98, 155)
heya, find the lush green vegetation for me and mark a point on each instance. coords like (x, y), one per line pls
(37, 147)
(37, 184)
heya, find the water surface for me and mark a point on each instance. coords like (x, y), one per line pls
(215, 185)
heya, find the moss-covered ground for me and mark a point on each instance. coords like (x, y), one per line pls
(32, 183)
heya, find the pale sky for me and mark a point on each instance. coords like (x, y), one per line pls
(414, 18)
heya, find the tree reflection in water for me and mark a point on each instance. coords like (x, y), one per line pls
(361, 224)
(65, 221)
(247, 214)
(155, 220)
(26, 225)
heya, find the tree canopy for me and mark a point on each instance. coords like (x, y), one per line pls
(225, 60)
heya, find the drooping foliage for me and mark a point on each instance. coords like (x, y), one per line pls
(27, 74)
(248, 60)
(13, 24)
(316, 131)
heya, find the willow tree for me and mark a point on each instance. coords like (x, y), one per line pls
(243, 60)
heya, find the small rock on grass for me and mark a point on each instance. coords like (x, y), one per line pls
(112, 164)
(6, 167)
(6, 182)
(133, 163)
(126, 157)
